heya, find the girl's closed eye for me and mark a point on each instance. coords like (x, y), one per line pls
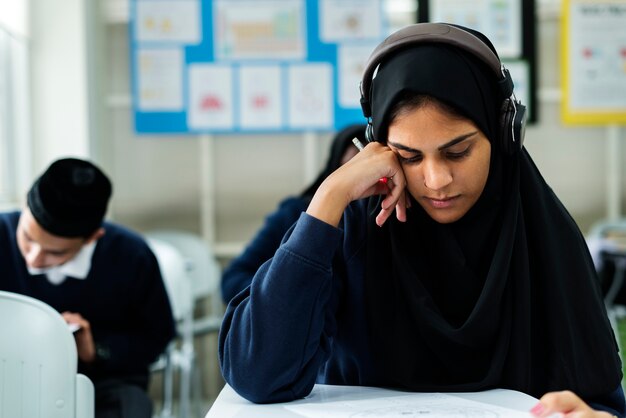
(415, 158)
(457, 155)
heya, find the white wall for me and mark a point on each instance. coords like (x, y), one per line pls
(573, 160)
(161, 181)
(16, 152)
(59, 80)
(14, 16)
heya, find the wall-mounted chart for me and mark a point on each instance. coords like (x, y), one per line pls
(594, 61)
(234, 66)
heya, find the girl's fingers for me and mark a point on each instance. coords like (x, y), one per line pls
(395, 200)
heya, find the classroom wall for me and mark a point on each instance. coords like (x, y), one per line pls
(161, 181)
(251, 173)
(59, 80)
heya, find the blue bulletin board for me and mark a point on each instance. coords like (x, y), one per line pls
(237, 66)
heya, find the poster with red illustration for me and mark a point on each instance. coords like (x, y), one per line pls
(594, 62)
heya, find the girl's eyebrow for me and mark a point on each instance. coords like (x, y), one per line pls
(448, 144)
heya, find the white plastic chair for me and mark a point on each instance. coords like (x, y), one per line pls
(179, 356)
(204, 271)
(607, 242)
(38, 363)
(201, 265)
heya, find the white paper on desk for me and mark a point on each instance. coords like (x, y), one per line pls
(432, 405)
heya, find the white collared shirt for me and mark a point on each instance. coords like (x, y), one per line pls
(77, 268)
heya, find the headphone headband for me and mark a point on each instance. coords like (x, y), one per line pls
(512, 114)
(424, 33)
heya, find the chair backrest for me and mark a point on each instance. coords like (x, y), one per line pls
(175, 276)
(606, 236)
(38, 363)
(613, 232)
(180, 357)
(200, 261)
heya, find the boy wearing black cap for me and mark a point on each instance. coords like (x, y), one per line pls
(100, 276)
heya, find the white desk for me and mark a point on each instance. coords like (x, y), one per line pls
(328, 401)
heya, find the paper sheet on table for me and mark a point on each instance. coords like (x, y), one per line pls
(432, 405)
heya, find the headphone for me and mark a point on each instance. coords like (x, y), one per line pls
(512, 112)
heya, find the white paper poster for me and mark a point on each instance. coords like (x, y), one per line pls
(210, 97)
(351, 62)
(168, 21)
(521, 80)
(499, 20)
(348, 20)
(254, 29)
(310, 96)
(597, 56)
(260, 92)
(159, 79)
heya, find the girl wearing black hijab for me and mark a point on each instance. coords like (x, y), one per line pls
(481, 279)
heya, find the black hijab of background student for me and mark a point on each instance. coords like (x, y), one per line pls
(341, 142)
(504, 297)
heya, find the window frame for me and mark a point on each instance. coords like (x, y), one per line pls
(15, 118)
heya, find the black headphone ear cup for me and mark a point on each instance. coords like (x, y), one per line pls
(512, 126)
(505, 127)
(519, 124)
(507, 142)
(369, 132)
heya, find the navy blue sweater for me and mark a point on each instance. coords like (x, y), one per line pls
(238, 275)
(123, 298)
(302, 320)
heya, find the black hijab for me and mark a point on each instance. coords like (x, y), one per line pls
(507, 296)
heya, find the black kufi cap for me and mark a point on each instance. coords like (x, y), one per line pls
(70, 198)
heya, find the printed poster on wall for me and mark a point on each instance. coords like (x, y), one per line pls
(233, 66)
(499, 20)
(259, 29)
(594, 61)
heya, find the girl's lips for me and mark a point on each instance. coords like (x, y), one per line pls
(444, 203)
